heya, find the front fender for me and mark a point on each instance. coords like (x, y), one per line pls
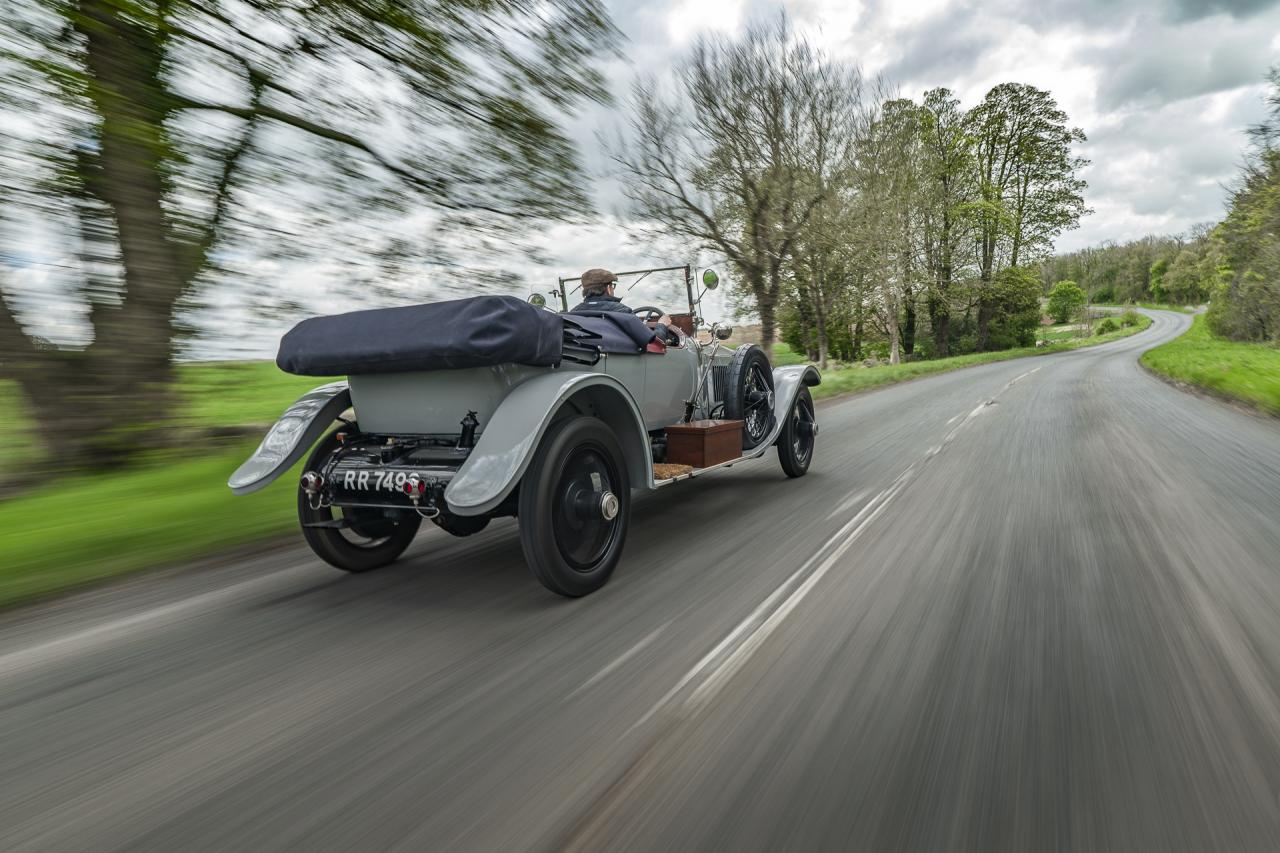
(787, 382)
(508, 442)
(291, 437)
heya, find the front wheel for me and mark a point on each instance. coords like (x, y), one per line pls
(795, 442)
(354, 539)
(574, 505)
(749, 394)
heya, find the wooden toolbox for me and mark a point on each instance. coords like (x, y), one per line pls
(704, 443)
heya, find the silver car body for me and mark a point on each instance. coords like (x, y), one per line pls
(515, 404)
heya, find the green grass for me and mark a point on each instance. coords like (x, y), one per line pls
(1246, 372)
(214, 394)
(851, 379)
(784, 355)
(79, 530)
(238, 393)
(172, 508)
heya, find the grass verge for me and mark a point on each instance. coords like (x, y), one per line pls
(852, 379)
(77, 531)
(1248, 373)
(80, 530)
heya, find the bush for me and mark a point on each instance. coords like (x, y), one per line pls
(1065, 301)
(1130, 318)
(1107, 325)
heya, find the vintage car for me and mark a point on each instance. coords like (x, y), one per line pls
(492, 406)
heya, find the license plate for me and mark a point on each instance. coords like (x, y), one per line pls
(373, 481)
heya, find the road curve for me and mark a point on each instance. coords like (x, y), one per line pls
(1026, 606)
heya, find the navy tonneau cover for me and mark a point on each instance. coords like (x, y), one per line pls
(472, 332)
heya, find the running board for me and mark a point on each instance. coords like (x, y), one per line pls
(698, 472)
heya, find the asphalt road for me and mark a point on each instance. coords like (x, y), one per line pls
(1027, 606)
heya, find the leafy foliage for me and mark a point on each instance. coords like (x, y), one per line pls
(166, 147)
(1065, 301)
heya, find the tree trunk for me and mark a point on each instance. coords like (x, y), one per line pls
(95, 408)
(766, 305)
(940, 321)
(98, 406)
(909, 327)
(820, 324)
(768, 327)
(859, 318)
(891, 321)
(985, 312)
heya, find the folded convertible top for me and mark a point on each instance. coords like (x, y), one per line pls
(472, 332)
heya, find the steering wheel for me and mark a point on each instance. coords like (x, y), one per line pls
(648, 313)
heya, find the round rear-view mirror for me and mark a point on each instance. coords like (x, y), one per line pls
(538, 300)
(723, 333)
(710, 280)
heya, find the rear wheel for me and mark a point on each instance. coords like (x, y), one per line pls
(352, 539)
(574, 505)
(749, 394)
(796, 441)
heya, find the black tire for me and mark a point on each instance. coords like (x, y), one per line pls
(749, 394)
(798, 436)
(370, 541)
(569, 543)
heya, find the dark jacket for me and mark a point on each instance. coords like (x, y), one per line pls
(603, 302)
(600, 302)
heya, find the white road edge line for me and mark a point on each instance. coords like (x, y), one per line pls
(1022, 376)
(847, 503)
(758, 618)
(718, 677)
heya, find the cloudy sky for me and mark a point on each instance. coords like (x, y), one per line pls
(1162, 88)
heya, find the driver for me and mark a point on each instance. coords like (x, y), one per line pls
(598, 286)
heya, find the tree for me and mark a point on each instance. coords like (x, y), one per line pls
(738, 159)
(947, 187)
(1028, 192)
(888, 162)
(1015, 297)
(154, 123)
(1065, 301)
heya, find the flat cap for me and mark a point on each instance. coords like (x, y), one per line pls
(598, 278)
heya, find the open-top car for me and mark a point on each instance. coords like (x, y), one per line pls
(463, 411)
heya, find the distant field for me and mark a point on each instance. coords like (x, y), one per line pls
(1246, 372)
(176, 507)
(214, 394)
(849, 379)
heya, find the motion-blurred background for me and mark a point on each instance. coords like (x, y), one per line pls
(884, 188)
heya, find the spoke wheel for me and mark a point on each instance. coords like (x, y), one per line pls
(574, 504)
(367, 539)
(799, 435)
(749, 395)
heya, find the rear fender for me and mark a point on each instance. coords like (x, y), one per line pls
(507, 443)
(291, 437)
